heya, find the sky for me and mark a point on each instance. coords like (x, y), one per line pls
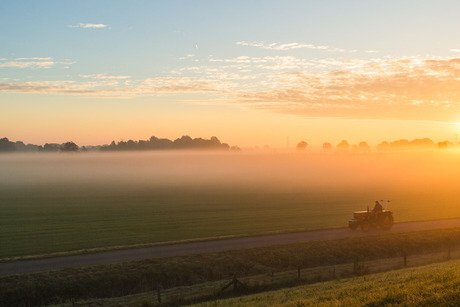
(252, 73)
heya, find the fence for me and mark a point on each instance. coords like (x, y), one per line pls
(275, 279)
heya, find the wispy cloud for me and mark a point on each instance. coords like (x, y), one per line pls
(188, 56)
(113, 88)
(90, 26)
(290, 46)
(105, 77)
(402, 88)
(34, 58)
(455, 50)
(33, 62)
(385, 87)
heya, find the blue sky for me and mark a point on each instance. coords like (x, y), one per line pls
(281, 66)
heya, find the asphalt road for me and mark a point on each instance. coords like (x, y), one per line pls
(58, 263)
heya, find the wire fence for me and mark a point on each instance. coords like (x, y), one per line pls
(274, 279)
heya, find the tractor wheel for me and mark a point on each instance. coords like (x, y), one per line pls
(387, 222)
(365, 226)
(353, 226)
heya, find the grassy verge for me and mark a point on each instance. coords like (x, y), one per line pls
(431, 285)
(140, 276)
(211, 291)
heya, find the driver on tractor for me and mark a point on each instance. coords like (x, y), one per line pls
(377, 209)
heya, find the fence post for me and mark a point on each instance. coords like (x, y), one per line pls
(448, 250)
(332, 273)
(159, 293)
(298, 272)
(405, 258)
(355, 266)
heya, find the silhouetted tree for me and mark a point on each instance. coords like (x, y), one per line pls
(184, 142)
(51, 147)
(154, 143)
(383, 147)
(6, 145)
(20, 146)
(445, 144)
(69, 147)
(364, 147)
(422, 143)
(343, 146)
(302, 145)
(400, 145)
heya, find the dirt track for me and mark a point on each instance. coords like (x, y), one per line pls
(57, 263)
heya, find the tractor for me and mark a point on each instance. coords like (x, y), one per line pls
(369, 219)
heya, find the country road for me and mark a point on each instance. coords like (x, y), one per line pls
(57, 263)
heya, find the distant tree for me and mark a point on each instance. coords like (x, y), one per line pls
(156, 143)
(131, 145)
(364, 147)
(327, 147)
(32, 147)
(6, 145)
(20, 146)
(51, 147)
(343, 146)
(69, 147)
(445, 144)
(302, 145)
(422, 143)
(142, 145)
(215, 141)
(400, 145)
(383, 147)
(184, 142)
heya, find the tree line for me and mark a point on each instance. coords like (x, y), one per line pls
(398, 145)
(186, 142)
(154, 143)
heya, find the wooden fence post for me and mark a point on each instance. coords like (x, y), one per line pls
(355, 266)
(405, 258)
(332, 273)
(159, 293)
(298, 272)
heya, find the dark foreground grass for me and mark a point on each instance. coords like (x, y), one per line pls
(147, 275)
(432, 285)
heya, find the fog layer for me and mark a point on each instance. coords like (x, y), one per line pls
(259, 170)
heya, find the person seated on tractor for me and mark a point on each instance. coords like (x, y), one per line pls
(377, 209)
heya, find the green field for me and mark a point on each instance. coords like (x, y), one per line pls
(63, 203)
(431, 285)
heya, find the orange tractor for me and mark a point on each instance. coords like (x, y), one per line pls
(372, 219)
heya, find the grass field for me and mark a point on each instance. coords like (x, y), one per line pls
(431, 285)
(55, 203)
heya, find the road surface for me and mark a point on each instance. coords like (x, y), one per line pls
(58, 263)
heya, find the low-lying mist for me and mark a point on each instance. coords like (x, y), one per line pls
(285, 171)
